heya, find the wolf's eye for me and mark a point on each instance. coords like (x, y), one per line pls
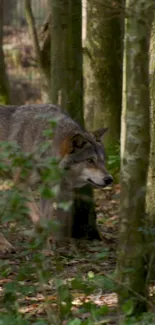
(90, 161)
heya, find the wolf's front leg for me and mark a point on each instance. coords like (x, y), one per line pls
(64, 210)
(34, 211)
(46, 208)
(60, 212)
(49, 215)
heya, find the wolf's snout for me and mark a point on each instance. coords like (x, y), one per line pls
(108, 180)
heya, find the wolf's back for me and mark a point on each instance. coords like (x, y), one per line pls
(25, 124)
(6, 113)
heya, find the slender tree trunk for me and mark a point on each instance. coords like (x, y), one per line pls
(135, 142)
(67, 91)
(91, 92)
(9, 7)
(151, 174)
(40, 55)
(104, 44)
(4, 83)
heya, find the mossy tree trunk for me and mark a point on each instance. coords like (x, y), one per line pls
(104, 44)
(4, 84)
(67, 91)
(66, 56)
(135, 142)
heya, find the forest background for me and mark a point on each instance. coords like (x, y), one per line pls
(96, 59)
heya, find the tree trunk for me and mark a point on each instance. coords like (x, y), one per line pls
(4, 84)
(91, 91)
(66, 57)
(67, 91)
(8, 11)
(135, 142)
(40, 55)
(104, 44)
(151, 174)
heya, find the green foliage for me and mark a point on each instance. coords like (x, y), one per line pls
(75, 321)
(36, 279)
(144, 319)
(113, 161)
(33, 275)
(128, 307)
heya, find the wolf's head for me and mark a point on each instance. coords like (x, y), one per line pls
(83, 158)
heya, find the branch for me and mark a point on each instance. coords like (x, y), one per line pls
(45, 38)
(32, 31)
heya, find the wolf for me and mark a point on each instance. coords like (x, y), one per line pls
(80, 155)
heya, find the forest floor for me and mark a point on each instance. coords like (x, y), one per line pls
(83, 261)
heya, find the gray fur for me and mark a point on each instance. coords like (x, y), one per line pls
(25, 125)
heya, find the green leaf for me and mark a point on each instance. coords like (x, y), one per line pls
(13, 319)
(104, 282)
(65, 205)
(90, 275)
(101, 256)
(128, 307)
(78, 284)
(102, 310)
(41, 322)
(48, 133)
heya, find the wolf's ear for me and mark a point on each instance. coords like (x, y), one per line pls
(72, 144)
(98, 134)
(77, 141)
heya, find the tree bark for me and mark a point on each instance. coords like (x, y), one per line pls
(67, 91)
(104, 44)
(135, 142)
(66, 57)
(4, 83)
(151, 174)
